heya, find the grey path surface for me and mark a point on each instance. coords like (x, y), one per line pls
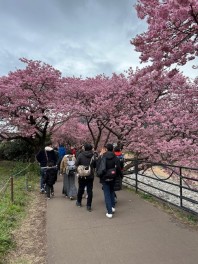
(139, 233)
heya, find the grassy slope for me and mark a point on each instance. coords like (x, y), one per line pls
(12, 213)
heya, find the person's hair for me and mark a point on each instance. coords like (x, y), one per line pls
(109, 147)
(116, 148)
(48, 143)
(88, 147)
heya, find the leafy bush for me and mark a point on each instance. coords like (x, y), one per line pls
(16, 150)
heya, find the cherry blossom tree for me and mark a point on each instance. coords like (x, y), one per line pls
(168, 130)
(72, 132)
(170, 123)
(84, 97)
(151, 113)
(154, 113)
(172, 34)
(30, 102)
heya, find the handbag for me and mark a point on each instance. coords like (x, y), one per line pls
(84, 171)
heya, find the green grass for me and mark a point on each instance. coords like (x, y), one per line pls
(11, 213)
(6, 169)
(147, 197)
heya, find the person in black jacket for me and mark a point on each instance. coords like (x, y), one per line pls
(118, 181)
(44, 156)
(85, 158)
(49, 178)
(112, 163)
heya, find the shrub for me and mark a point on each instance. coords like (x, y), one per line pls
(16, 150)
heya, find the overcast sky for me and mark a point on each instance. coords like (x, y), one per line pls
(78, 37)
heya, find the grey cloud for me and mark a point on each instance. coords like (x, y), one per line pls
(63, 32)
(9, 62)
(78, 37)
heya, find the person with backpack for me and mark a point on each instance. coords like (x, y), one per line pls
(108, 168)
(68, 169)
(85, 168)
(120, 155)
(49, 179)
(118, 181)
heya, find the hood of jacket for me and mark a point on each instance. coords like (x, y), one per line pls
(109, 155)
(87, 154)
(48, 148)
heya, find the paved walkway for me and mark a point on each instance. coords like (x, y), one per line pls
(139, 233)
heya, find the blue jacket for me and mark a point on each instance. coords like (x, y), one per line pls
(61, 152)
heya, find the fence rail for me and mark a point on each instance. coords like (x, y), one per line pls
(10, 183)
(176, 185)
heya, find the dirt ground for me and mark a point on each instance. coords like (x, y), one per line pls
(30, 238)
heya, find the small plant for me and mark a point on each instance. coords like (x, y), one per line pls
(147, 196)
(192, 218)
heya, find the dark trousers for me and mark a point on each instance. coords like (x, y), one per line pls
(49, 190)
(42, 173)
(82, 183)
(109, 195)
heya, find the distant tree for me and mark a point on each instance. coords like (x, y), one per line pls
(72, 132)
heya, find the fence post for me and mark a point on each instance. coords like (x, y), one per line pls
(12, 188)
(136, 175)
(180, 186)
(26, 181)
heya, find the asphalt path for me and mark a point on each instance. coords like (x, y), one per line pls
(138, 233)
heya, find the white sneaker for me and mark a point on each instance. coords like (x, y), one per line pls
(113, 210)
(109, 215)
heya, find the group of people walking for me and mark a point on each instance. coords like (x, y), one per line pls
(85, 165)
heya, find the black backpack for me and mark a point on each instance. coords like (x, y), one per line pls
(102, 172)
(121, 158)
(101, 167)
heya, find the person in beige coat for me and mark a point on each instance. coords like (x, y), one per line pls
(68, 170)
